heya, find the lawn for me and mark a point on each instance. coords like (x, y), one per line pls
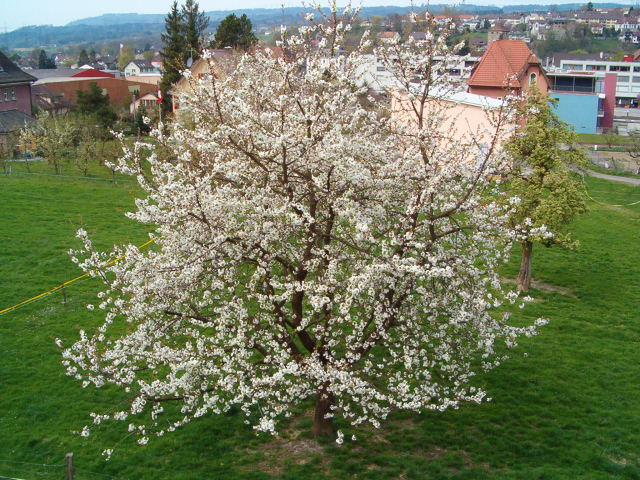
(600, 139)
(566, 406)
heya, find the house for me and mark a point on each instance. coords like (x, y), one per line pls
(15, 87)
(138, 67)
(221, 59)
(46, 100)
(148, 101)
(419, 38)
(388, 37)
(508, 66)
(15, 101)
(120, 91)
(498, 32)
(477, 45)
(11, 122)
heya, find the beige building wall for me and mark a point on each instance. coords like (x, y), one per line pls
(463, 117)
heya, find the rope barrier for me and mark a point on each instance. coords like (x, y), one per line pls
(586, 191)
(62, 285)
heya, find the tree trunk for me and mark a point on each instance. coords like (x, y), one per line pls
(524, 277)
(322, 427)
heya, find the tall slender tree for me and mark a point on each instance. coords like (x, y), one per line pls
(83, 59)
(173, 53)
(194, 24)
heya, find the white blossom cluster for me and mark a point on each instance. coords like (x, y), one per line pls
(307, 244)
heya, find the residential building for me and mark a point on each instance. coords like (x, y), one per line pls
(498, 32)
(120, 91)
(148, 101)
(508, 66)
(138, 67)
(15, 87)
(388, 37)
(219, 62)
(15, 102)
(46, 100)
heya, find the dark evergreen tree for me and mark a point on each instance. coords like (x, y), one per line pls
(93, 103)
(236, 32)
(138, 121)
(84, 58)
(44, 61)
(173, 53)
(465, 50)
(194, 24)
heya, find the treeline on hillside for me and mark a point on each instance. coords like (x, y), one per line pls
(581, 40)
(27, 37)
(124, 27)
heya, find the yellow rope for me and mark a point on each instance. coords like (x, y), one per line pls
(586, 191)
(62, 285)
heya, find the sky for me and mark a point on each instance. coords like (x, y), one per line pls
(19, 13)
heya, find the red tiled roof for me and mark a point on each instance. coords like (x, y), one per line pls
(504, 60)
(92, 72)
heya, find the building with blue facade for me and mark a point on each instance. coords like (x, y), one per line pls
(580, 110)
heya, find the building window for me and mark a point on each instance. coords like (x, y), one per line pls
(6, 94)
(532, 79)
(13, 94)
(623, 78)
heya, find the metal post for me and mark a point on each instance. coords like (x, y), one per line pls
(69, 462)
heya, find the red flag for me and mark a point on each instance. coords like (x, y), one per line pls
(159, 96)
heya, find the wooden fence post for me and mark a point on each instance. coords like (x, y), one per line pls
(69, 460)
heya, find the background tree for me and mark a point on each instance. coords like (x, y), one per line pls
(141, 127)
(294, 260)
(173, 53)
(543, 178)
(127, 54)
(83, 59)
(634, 150)
(44, 61)
(93, 103)
(52, 137)
(236, 32)
(194, 24)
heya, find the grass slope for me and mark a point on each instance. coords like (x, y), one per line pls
(567, 410)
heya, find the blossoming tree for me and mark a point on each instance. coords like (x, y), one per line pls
(307, 247)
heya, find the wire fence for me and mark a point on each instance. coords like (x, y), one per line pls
(66, 470)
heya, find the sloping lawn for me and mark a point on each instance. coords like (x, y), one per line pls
(566, 406)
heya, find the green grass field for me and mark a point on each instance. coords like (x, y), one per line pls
(599, 139)
(569, 409)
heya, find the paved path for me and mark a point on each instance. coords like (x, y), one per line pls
(615, 178)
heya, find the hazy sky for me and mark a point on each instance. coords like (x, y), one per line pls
(18, 13)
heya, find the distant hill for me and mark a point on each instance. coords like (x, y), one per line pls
(563, 7)
(119, 19)
(125, 27)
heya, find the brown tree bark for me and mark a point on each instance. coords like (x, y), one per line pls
(524, 277)
(322, 427)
